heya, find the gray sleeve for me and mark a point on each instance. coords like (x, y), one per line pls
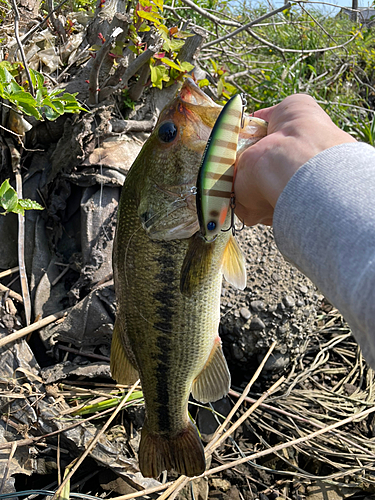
(324, 223)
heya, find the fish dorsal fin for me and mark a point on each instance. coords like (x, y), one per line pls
(234, 267)
(213, 382)
(122, 369)
(196, 265)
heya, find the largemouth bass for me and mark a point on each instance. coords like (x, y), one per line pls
(168, 337)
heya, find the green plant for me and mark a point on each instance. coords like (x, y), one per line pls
(45, 104)
(10, 202)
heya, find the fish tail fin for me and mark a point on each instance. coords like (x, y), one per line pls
(184, 453)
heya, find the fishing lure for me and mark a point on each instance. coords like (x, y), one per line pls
(216, 174)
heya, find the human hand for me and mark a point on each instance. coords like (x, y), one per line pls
(298, 129)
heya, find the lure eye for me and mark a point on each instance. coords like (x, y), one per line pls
(211, 226)
(167, 132)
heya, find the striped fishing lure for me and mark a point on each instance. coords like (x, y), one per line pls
(217, 170)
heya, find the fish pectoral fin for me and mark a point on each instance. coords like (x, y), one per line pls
(234, 266)
(196, 265)
(122, 369)
(213, 382)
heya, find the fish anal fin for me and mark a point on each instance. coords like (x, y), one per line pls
(234, 267)
(213, 382)
(196, 265)
(122, 369)
(183, 453)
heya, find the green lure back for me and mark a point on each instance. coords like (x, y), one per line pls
(217, 170)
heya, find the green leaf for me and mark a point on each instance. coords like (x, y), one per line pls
(203, 83)
(4, 187)
(27, 204)
(186, 66)
(153, 17)
(158, 75)
(9, 200)
(170, 63)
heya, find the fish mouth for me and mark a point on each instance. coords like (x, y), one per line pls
(192, 94)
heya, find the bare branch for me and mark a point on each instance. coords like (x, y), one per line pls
(99, 59)
(59, 28)
(248, 25)
(130, 71)
(209, 16)
(298, 51)
(19, 43)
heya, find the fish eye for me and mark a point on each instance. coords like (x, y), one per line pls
(167, 132)
(211, 226)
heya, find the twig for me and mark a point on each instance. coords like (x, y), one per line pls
(247, 26)
(16, 167)
(298, 51)
(13, 295)
(30, 33)
(33, 327)
(294, 442)
(214, 443)
(85, 354)
(209, 16)
(59, 28)
(7, 468)
(8, 272)
(19, 43)
(99, 59)
(242, 398)
(294, 417)
(128, 72)
(94, 441)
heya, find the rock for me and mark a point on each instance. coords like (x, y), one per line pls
(236, 352)
(199, 487)
(245, 313)
(277, 361)
(257, 305)
(288, 301)
(220, 484)
(257, 324)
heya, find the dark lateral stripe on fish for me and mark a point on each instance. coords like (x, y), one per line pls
(220, 160)
(224, 177)
(165, 297)
(221, 143)
(218, 194)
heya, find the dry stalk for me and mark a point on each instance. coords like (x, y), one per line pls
(246, 391)
(8, 272)
(294, 442)
(94, 441)
(13, 295)
(35, 326)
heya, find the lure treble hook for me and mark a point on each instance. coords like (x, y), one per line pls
(232, 206)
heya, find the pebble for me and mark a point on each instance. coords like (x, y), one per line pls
(257, 324)
(236, 352)
(303, 289)
(245, 313)
(289, 301)
(257, 305)
(276, 276)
